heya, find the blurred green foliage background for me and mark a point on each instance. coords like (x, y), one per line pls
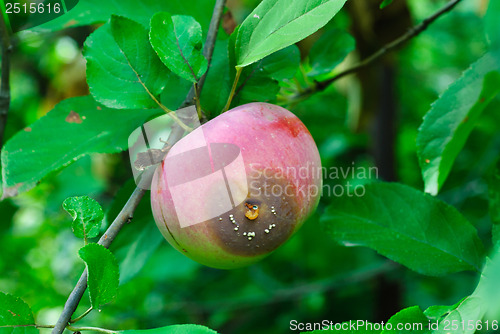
(310, 278)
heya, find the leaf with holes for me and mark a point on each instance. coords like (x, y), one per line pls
(103, 275)
(15, 316)
(87, 216)
(123, 71)
(276, 24)
(407, 226)
(178, 42)
(83, 127)
(452, 117)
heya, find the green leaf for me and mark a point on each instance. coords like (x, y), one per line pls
(15, 316)
(97, 11)
(494, 201)
(27, 18)
(349, 327)
(175, 91)
(436, 312)
(218, 81)
(178, 42)
(83, 127)
(103, 274)
(468, 315)
(138, 251)
(410, 320)
(479, 311)
(282, 64)
(385, 3)
(475, 312)
(492, 24)
(329, 51)
(258, 82)
(488, 286)
(256, 85)
(457, 317)
(87, 216)
(174, 329)
(123, 71)
(452, 117)
(276, 24)
(407, 226)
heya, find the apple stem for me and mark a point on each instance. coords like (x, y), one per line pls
(197, 100)
(235, 83)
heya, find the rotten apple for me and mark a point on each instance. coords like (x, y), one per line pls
(235, 189)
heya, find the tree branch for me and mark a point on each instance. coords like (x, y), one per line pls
(413, 32)
(123, 217)
(5, 77)
(208, 49)
(126, 213)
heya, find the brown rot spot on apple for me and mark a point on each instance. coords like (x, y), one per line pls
(276, 221)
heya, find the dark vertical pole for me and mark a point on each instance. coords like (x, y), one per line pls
(372, 29)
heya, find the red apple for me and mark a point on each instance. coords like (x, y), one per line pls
(238, 187)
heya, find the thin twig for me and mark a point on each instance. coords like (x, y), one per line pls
(94, 329)
(208, 49)
(412, 32)
(84, 314)
(126, 214)
(5, 77)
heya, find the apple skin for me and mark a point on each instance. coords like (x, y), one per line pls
(283, 180)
